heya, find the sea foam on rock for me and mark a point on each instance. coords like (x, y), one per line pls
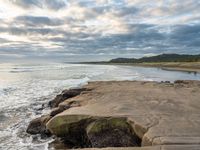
(38, 125)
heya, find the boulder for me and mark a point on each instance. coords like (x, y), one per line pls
(112, 132)
(182, 82)
(71, 129)
(64, 106)
(38, 125)
(92, 131)
(65, 95)
(58, 110)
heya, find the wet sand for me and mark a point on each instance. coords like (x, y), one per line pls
(193, 67)
(176, 66)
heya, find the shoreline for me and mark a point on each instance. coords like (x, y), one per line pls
(97, 114)
(187, 70)
(185, 67)
(189, 67)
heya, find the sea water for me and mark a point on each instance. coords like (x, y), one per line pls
(24, 88)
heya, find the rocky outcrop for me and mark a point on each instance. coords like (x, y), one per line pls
(57, 110)
(149, 115)
(64, 106)
(71, 129)
(38, 126)
(92, 131)
(65, 95)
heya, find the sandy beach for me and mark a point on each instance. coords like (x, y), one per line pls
(193, 67)
(174, 66)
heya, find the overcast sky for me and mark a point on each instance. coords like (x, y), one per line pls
(77, 30)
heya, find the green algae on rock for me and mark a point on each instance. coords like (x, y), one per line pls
(115, 132)
(94, 131)
(71, 129)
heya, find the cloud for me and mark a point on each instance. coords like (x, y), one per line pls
(187, 36)
(58, 28)
(38, 20)
(51, 4)
(56, 4)
(26, 3)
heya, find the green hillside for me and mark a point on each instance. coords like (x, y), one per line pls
(159, 58)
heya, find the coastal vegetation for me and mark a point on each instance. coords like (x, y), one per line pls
(177, 62)
(159, 58)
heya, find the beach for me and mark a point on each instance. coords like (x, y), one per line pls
(174, 66)
(192, 67)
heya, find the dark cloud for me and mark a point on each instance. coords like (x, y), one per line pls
(36, 21)
(51, 4)
(143, 39)
(27, 3)
(55, 4)
(91, 28)
(186, 35)
(29, 31)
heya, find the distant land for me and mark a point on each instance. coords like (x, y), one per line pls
(159, 58)
(177, 62)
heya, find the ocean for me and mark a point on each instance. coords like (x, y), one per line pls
(24, 88)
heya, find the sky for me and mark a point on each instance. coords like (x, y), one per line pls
(88, 30)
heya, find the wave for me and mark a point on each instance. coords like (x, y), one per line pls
(29, 91)
(34, 68)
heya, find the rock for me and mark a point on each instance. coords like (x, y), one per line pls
(187, 82)
(151, 109)
(65, 95)
(71, 129)
(58, 144)
(64, 106)
(181, 82)
(58, 110)
(38, 126)
(92, 131)
(60, 126)
(112, 132)
(74, 104)
(165, 82)
(138, 114)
